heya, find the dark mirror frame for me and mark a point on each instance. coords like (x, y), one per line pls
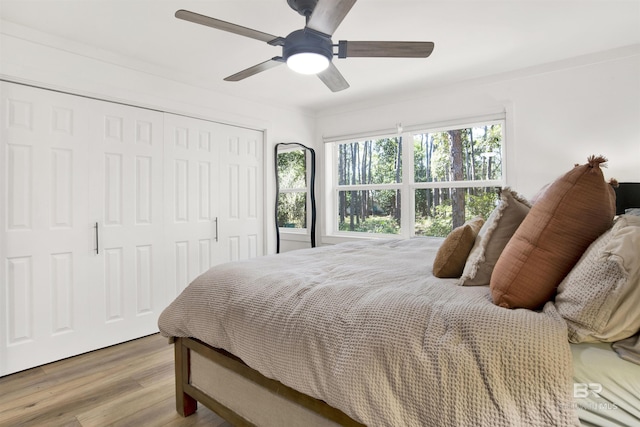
(312, 193)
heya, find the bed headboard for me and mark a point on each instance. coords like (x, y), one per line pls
(627, 196)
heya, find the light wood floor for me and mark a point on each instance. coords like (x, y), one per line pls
(129, 384)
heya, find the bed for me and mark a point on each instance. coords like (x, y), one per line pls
(363, 333)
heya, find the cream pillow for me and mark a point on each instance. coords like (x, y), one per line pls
(493, 237)
(453, 252)
(600, 297)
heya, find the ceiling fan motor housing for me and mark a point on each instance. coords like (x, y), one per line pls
(302, 41)
(303, 7)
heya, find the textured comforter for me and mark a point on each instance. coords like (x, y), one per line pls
(367, 328)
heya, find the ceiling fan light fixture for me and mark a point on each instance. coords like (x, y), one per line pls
(307, 52)
(308, 62)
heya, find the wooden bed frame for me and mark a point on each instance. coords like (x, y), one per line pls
(242, 395)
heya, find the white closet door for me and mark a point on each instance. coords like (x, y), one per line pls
(126, 152)
(242, 193)
(191, 194)
(46, 233)
(108, 212)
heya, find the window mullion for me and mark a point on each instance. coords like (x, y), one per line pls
(406, 203)
(359, 187)
(331, 188)
(457, 184)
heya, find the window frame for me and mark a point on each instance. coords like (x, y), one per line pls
(408, 186)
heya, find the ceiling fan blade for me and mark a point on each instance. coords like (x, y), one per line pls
(367, 49)
(263, 66)
(224, 26)
(328, 14)
(333, 79)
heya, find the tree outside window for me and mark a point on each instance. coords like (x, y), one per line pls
(373, 170)
(455, 175)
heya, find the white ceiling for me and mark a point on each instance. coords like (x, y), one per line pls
(473, 38)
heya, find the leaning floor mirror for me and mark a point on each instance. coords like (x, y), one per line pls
(295, 203)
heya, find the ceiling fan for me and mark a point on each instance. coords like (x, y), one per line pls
(311, 50)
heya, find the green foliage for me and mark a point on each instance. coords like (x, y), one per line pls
(292, 210)
(478, 157)
(382, 225)
(481, 160)
(370, 162)
(387, 165)
(292, 169)
(292, 174)
(438, 225)
(478, 202)
(363, 163)
(482, 157)
(481, 204)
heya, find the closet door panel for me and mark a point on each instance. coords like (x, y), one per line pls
(241, 219)
(46, 233)
(192, 198)
(126, 203)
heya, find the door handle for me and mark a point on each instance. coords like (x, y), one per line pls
(97, 240)
(216, 220)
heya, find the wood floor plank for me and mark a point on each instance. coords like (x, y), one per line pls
(131, 384)
(154, 373)
(56, 408)
(24, 383)
(110, 357)
(151, 406)
(67, 397)
(75, 387)
(126, 406)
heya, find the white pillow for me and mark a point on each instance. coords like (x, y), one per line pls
(600, 297)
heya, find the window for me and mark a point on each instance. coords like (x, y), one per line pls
(424, 182)
(369, 185)
(293, 189)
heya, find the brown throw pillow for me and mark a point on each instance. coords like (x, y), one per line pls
(455, 249)
(570, 214)
(493, 237)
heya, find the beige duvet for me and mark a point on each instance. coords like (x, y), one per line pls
(367, 328)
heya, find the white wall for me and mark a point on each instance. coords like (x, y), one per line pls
(557, 115)
(36, 58)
